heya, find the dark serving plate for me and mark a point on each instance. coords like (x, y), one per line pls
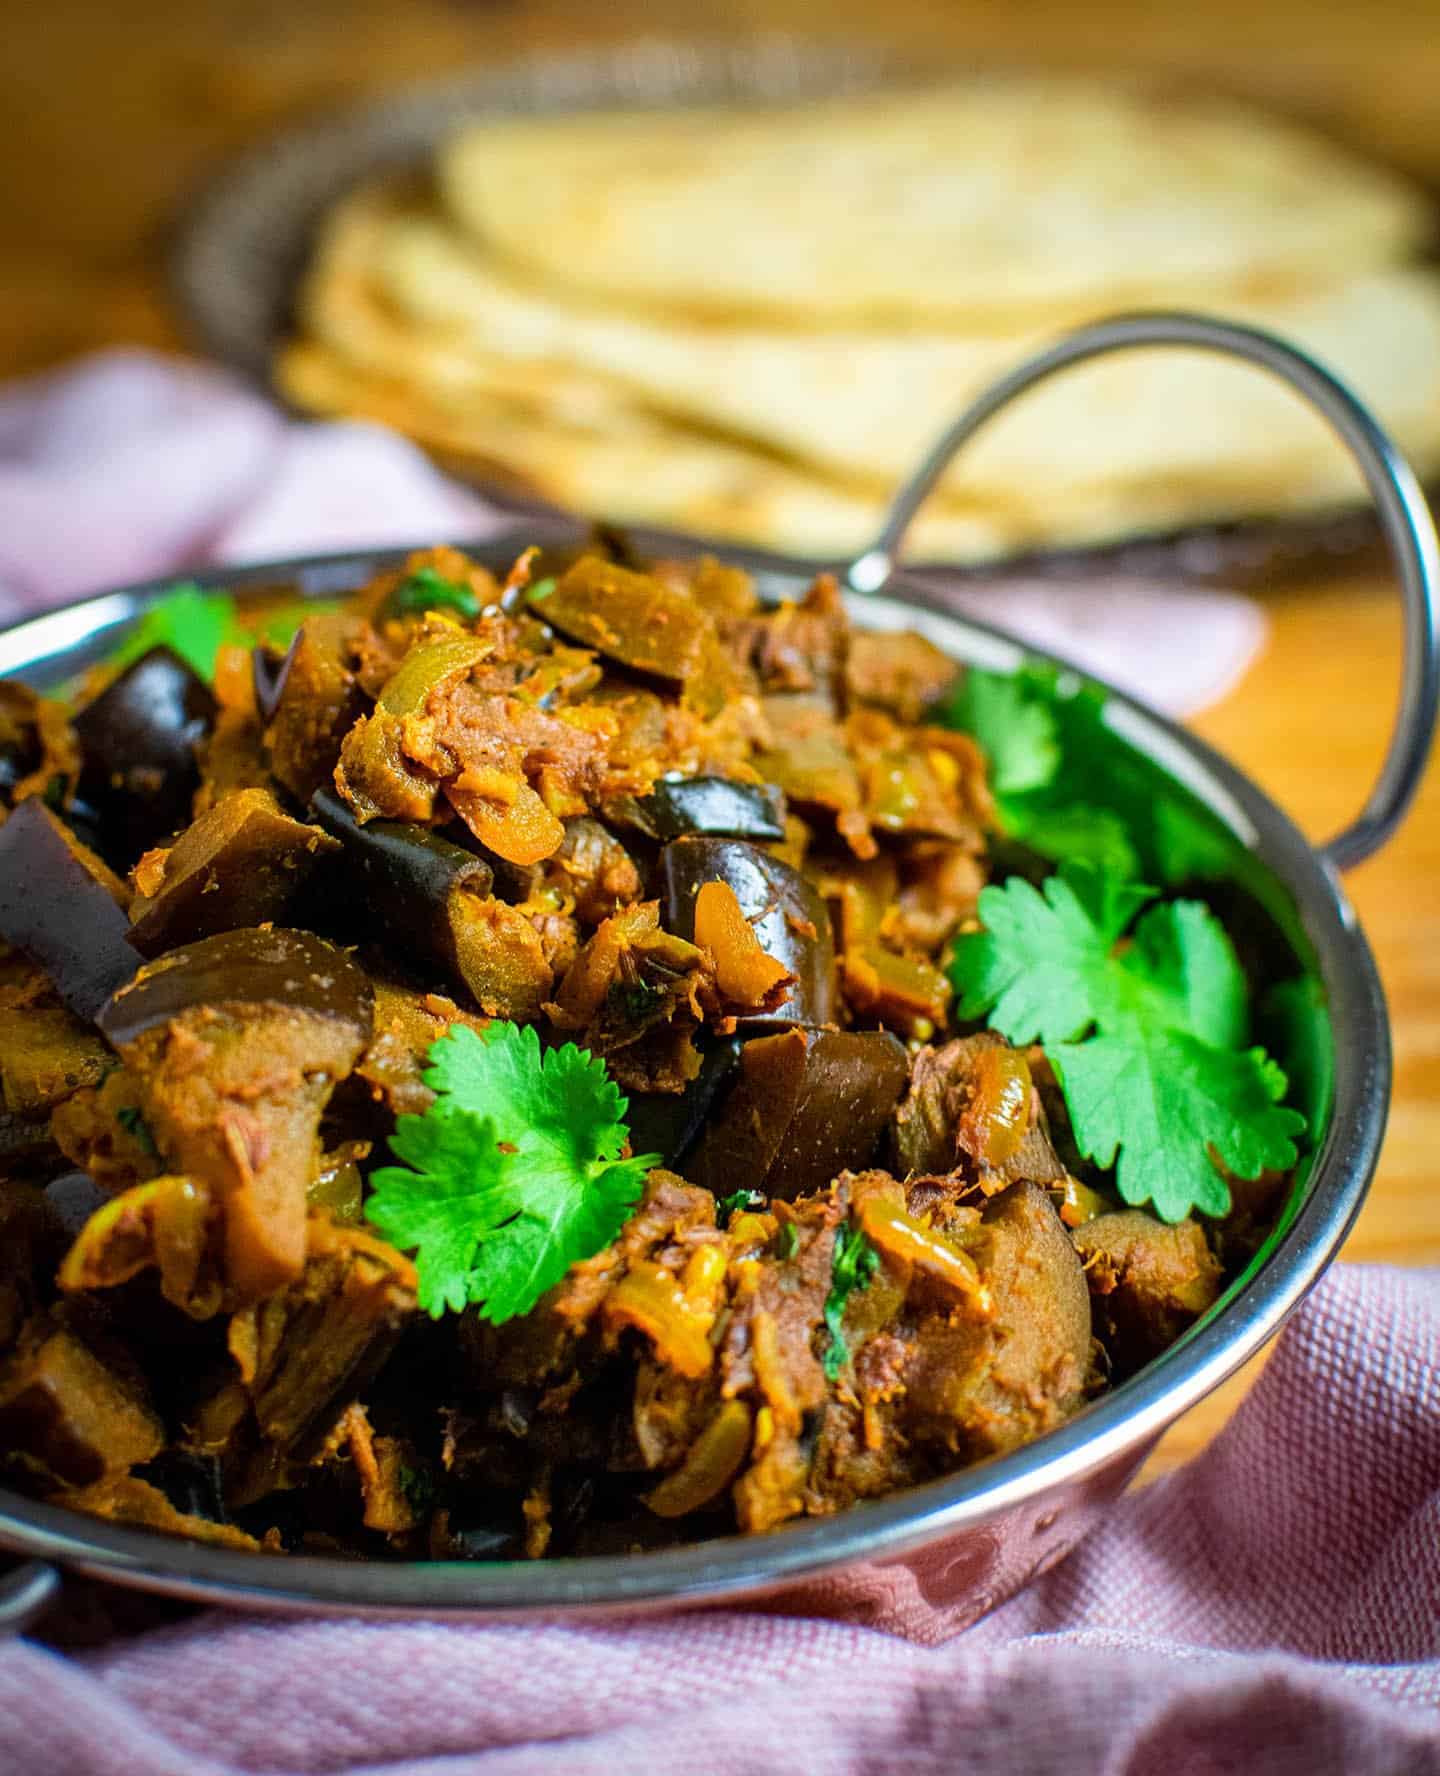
(945, 1552)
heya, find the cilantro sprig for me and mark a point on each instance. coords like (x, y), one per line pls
(192, 623)
(1145, 1036)
(511, 1176)
(196, 624)
(1071, 788)
(428, 589)
(852, 1265)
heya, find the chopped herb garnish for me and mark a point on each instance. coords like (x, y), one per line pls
(426, 589)
(1070, 787)
(542, 588)
(787, 1241)
(1016, 728)
(736, 1203)
(135, 1125)
(1146, 1039)
(511, 1176)
(192, 623)
(854, 1263)
(418, 1487)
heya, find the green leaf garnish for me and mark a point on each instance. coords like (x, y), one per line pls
(192, 623)
(726, 1206)
(514, 1171)
(852, 1265)
(1071, 788)
(1016, 728)
(135, 1125)
(1145, 1037)
(787, 1241)
(427, 589)
(1295, 1023)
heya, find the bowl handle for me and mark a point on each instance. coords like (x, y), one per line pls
(26, 1593)
(1404, 519)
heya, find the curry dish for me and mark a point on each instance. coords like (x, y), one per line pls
(491, 1076)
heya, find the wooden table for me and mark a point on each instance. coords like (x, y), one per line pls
(113, 115)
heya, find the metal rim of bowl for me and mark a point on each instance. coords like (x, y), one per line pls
(1246, 1318)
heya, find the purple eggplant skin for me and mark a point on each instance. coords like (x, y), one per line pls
(248, 967)
(137, 741)
(786, 912)
(59, 914)
(269, 671)
(668, 1123)
(407, 877)
(712, 807)
(807, 1106)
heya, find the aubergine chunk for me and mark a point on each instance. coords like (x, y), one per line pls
(629, 618)
(593, 869)
(126, 1498)
(308, 1351)
(432, 901)
(972, 1110)
(897, 671)
(138, 741)
(1149, 1282)
(807, 1106)
(240, 864)
(670, 1123)
(32, 1243)
(713, 807)
(47, 1056)
(58, 904)
(797, 648)
(237, 1043)
(977, 1387)
(313, 702)
(407, 1022)
(785, 910)
(70, 1415)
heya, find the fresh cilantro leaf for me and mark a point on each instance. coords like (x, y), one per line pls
(853, 1264)
(1042, 959)
(1071, 788)
(726, 1206)
(516, 1170)
(1163, 1101)
(418, 1486)
(192, 623)
(1162, 1080)
(1184, 971)
(1078, 834)
(1010, 715)
(427, 589)
(1295, 1023)
(135, 1125)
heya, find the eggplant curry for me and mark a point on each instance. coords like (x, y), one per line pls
(570, 1064)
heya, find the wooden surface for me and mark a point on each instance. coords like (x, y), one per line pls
(115, 115)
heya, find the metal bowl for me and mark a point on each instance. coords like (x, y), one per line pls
(934, 1556)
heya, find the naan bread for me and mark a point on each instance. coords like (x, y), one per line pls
(1135, 443)
(989, 204)
(866, 406)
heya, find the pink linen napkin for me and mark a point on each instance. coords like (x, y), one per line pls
(132, 466)
(1274, 1607)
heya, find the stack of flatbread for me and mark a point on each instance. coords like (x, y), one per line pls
(751, 324)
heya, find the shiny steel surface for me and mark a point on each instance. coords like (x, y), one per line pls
(940, 1554)
(1404, 520)
(962, 1543)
